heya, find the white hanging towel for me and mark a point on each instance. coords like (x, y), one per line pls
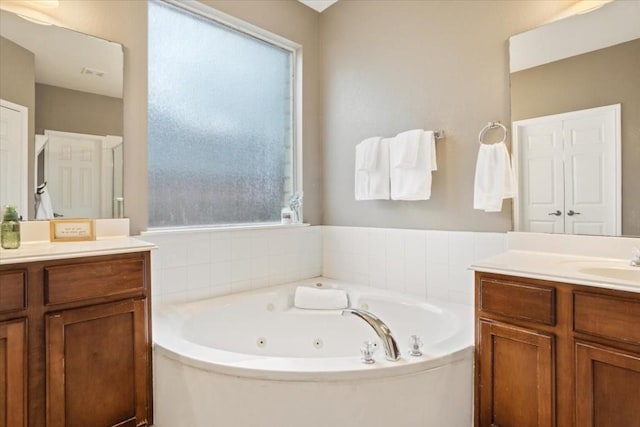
(372, 169)
(44, 210)
(413, 158)
(495, 180)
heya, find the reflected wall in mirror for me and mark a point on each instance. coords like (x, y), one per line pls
(71, 85)
(572, 177)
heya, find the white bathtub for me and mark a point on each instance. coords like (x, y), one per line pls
(251, 359)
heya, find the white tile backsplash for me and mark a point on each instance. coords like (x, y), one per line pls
(416, 273)
(174, 254)
(437, 279)
(438, 247)
(241, 286)
(220, 249)
(241, 246)
(489, 244)
(415, 243)
(174, 279)
(377, 271)
(198, 276)
(427, 264)
(377, 242)
(259, 266)
(199, 251)
(241, 269)
(461, 248)
(192, 265)
(395, 273)
(198, 293)
(395, 243)
(432, 264)
(260, 245)
(221, 273)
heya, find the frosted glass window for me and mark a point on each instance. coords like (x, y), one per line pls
(220, 123)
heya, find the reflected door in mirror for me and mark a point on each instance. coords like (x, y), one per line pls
(569, 172)
(79, 170)
(13, 156)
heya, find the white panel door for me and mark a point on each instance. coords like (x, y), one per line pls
(568, 168)
(540, 171)
(13, 156)
(72, 170)
(590, 184)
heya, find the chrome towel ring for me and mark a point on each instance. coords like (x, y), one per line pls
(489, 126)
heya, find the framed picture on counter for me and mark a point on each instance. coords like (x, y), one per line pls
(71, 230)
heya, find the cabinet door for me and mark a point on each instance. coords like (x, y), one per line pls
(97, 366)
(516, 368)
(607, 387)
(13, 373)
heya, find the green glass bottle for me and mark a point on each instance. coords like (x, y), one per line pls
(10, 228)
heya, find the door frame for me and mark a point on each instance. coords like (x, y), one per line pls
(616, 109)
(24, 154)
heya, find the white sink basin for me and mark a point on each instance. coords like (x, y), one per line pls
(631, 274)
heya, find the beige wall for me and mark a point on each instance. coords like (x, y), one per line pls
(603, 77)
(389, 66)
(69, 110)
(386, 66)
(125, 22)
(17, 85)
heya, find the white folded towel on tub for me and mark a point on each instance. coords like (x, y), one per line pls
(320, 299)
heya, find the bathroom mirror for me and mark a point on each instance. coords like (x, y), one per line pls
(72, 87)
(562, 74)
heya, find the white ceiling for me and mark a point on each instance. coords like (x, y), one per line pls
(61, 54)
(318, 5)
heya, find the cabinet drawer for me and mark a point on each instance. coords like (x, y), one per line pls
(607, 316)
(518, 300)
(68, 283)
(13, 291)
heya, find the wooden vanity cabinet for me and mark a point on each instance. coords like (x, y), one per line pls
(555, 354)
(88, 333)
(13, 348)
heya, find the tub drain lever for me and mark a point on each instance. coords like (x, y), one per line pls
(367, 350)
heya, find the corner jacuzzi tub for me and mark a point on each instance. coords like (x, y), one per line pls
(252, 359)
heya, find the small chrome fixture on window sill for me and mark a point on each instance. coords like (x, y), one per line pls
(635, 257)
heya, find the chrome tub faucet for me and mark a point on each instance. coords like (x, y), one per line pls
(391, 351)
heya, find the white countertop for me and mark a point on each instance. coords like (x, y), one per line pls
(44, 251)
(574, 269)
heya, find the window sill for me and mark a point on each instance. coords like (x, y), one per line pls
(220, 228)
